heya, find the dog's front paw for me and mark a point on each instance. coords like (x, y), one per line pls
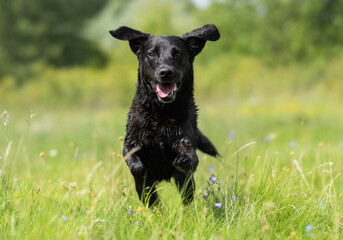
(187, 160)
(185, 163)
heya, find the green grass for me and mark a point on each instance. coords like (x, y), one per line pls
(83, 189)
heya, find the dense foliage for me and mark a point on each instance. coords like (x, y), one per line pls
(47, 31)
(289, 29)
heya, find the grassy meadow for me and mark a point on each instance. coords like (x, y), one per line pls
(63, 175)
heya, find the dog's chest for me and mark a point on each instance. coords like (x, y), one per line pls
(147, 129)
(160, 130)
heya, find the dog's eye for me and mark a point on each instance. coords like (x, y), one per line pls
(151, 54)
(178, 56)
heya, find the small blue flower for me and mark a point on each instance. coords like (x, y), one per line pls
(231, 134)
(308, 228)
(267, 139)
(210, 169)
(218, 183)
(136, 223)
(292, 144)
(64, 218)
(213, 179)
(204, 196)
(233, 198)
(218, 205)
(131, 213)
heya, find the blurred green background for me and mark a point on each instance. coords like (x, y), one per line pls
(59, 53)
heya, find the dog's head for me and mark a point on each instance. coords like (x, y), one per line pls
(164, 61)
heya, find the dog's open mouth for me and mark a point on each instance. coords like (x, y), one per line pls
(166, 91)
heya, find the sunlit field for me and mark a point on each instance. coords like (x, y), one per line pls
(269, 93)
(63, 175)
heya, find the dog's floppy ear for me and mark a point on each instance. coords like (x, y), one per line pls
(197, 38)
(135, 37)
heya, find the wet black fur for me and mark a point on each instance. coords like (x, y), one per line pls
(162, 138)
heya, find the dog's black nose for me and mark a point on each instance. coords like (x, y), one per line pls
(166, 72)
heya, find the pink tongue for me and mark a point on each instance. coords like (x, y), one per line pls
(163, 90)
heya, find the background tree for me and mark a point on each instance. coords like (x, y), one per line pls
(288, 30)
(47, 31)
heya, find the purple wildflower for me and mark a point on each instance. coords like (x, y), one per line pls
(308, 228)
(218, 183)
(213, 179)
(233, 198)
(136, 223)
(292, 144)
(131, 213)
(218, 205)
(204, 196)
(64, 218)
(231, 134)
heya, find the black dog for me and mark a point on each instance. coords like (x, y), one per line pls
(161, 133)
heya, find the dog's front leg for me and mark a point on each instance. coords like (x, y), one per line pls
(144, 184)
(132, 160)
(187, 159)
